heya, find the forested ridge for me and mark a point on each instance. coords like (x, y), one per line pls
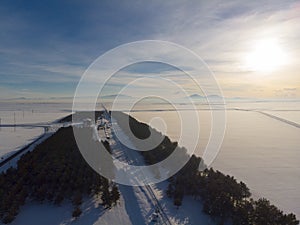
(53, 172)
(222, 196)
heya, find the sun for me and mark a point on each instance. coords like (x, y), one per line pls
(267, 56)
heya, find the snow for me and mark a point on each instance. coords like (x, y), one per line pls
(12, 139)
(92, 214)
(190, 212)
(264, 153)
(293, 116)
(13, 162)
(139, 202)
(258, 150)
(34, 213)
(7, 117)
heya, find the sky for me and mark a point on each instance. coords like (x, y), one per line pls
(252, 47)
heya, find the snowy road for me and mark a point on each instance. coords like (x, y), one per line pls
(49, 129)
(283, 120)
(141, 202)
(280, 119)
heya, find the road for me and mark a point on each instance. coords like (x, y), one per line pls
(297, 125)
(131, 158)
(22, 150)
(49, 128)
(280, 119)
(135, 158)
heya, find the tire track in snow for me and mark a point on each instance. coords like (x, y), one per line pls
(294, 124)
(280, 119)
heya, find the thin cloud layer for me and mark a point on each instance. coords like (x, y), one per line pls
(45, 48)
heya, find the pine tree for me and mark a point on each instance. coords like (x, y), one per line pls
(105, 197)
(115, 194)
(77, 199)
(76, 212)
(177, 202)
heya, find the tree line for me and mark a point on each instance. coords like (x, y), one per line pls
(53, 172)
(222, 196)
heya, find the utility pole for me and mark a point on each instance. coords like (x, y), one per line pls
(14, 121)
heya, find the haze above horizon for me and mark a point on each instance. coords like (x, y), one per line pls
(251, 47)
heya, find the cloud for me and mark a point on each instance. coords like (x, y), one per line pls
(286, 92)
(51, 45)
(289, 89)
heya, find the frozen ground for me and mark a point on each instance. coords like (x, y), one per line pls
(135, 207)
(92, 214)
(21, 117)
(12, 139)
(139, 202)
(259, 150)
(34, 213)
(13, 162)
(190, 212)
(293, 116)
(264, 153)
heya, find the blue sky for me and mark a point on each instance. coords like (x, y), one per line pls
(46, 46)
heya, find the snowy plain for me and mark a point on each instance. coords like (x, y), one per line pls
(132, 198)
(258, 150)
(36, 214)
(14, 138)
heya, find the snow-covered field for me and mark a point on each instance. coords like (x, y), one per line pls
(293, 116)
(31, 113)
(12, 139)
(190, 212)
(259, 150)
(92, 214)
(135, 207)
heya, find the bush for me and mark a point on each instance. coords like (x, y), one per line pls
(76, 212)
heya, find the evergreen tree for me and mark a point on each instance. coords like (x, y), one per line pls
(115, 194)
(106, 197)
(76, 212)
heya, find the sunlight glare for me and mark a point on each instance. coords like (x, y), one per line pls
(267, 56)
